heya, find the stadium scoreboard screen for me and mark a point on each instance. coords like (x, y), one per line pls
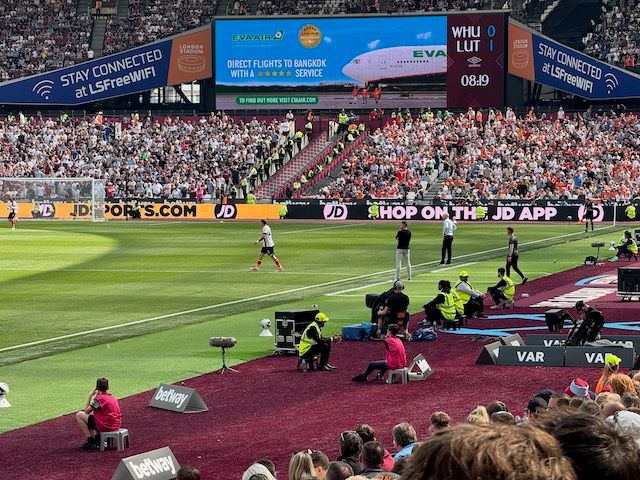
(416, 61)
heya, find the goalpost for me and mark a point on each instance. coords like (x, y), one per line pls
(81, 198)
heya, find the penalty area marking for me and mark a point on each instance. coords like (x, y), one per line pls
(259, 297)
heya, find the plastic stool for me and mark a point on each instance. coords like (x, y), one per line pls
(451, 324)
(403, 373)
(121, 437)
(305, 365)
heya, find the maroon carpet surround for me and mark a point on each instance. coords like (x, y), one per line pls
(271, 410)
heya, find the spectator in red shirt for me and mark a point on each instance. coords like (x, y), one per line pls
(101, 414)
(395, 356)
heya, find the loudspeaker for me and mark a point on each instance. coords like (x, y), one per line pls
(489, 354)
(512, 341)
(555, 319)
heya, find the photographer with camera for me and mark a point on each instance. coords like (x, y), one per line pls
(588, 330)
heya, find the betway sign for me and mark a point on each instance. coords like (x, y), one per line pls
(158, 464)
(177, 399)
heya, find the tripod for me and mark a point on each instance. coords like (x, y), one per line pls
(224, 367)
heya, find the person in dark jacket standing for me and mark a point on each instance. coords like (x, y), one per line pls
(402, 250)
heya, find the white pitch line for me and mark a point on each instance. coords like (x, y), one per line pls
(453, 266)
(259, 297)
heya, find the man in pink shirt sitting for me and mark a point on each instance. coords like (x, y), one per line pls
(101, 414)
(395, 356)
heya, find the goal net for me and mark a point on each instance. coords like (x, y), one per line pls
(56, 198)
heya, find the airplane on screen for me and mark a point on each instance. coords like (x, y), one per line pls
(389, 65)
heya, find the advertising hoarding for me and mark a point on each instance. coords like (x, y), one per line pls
(183, 58)
(327, 62)
(537, 58)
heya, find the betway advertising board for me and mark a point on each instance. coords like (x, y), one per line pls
(176, 60)
(537, 58)
(284, 62)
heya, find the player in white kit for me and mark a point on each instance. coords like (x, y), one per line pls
(267, 248)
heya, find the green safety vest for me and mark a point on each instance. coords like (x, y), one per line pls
(375, 211)
(308, 126)
(479, 212)
(296, 185)
(299, 134)
(251, 198)
(510, 290)
(464, 296)
(457, 302)
(631, 212)
(342, 118)
(282, 211)
(305, 342)
(361, 127)
(448, 308)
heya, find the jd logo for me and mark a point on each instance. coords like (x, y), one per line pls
(80, 210)
(43, 210)
(536, 357)
(226, 211)
(335, 211)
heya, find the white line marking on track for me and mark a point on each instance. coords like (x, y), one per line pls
(260, 297)
(453, 266)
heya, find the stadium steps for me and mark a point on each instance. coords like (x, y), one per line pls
(431, 194)
(82, 7)
(330, 173)
(293, 168)
(252, 7)
(383, 6)
(123, 8)
(223, 7)
(569, 22)
(97, 36)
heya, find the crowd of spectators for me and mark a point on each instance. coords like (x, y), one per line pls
(195, 159)
(41, 36)
(405, 6)
(497, 155)
(567, 435)
(151, 20)
(315, 7)
(396, 161)
(616, 37)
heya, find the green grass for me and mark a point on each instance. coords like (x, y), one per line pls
(59, 279)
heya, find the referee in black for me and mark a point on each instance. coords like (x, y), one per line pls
(589, 214)
(512, 256)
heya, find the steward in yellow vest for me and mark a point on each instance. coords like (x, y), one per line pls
(480, 213)
(442, 308)
(504, 291)
(471, 299)
(631, 212)
(312, 343)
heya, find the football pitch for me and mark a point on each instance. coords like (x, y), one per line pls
(137, 301)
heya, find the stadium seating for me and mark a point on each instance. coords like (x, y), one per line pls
(197, 159)
(616, 37)
(150, 20)
(528, 158)
(39, 36)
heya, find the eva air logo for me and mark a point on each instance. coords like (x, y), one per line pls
(257, 37)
